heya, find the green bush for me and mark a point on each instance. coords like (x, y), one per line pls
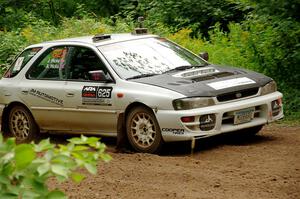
(25, 168)
(198, 15)
(223, 48)
(268, 45)
(13, 42)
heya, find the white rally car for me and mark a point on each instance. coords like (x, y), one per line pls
(158, 91)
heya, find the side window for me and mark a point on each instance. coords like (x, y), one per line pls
(85, 65)
(51, 65)
(21, 61)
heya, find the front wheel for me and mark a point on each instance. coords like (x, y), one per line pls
(21, 124)
(143, 131)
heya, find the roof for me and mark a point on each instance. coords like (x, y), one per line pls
(89, 39)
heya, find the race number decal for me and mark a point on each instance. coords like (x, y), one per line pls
(96, 95)
(104, 92)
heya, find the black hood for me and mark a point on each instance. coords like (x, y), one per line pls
(197, 87)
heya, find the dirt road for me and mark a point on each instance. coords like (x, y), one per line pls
(265, 166)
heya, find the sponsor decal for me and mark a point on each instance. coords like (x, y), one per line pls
(89, 92)
(96, 95)
(18, 64)
(46, 97)
(174, 131)
(57, 58)
(53, 63)
(207, 122)
(231, 83)
(58, 53)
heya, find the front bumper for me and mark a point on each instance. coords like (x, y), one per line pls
(173, 129)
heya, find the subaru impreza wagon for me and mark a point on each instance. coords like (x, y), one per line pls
(155, 89)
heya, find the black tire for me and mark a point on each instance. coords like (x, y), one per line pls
(21, 124)
(143, 131)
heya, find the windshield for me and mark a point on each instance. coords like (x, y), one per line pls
(147, 56)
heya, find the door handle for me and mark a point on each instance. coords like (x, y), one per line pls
(69, 94)
(25, 91)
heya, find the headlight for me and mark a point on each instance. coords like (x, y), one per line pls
(191, 103)
(269, 88)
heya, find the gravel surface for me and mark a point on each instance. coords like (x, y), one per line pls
(263, 166)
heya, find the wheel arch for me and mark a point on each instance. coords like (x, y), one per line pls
(4, 122)
(122, 116)
(157, 141)
(134, 105)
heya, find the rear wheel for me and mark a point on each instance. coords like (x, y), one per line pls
(143, 131)
(21, 124)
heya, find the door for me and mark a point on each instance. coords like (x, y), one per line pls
(89, 89)
(43, 89)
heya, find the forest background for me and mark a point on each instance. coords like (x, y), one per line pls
(260, 35)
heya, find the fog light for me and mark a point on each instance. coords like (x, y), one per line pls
(276, 107)
(188, 119)
(207, 122)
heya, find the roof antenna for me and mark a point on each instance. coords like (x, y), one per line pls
(140, 30)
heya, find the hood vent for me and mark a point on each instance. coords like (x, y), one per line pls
(203, 74)
(196, 72)
(213, 76)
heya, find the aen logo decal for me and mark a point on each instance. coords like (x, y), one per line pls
(96, 95)
(174, 131)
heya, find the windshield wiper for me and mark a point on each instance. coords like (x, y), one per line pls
(141, 76)
(179, 68)
(184, 68)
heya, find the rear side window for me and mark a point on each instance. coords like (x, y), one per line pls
(21, 61)
(51, 65)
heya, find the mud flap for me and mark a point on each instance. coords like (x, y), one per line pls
(122, 140)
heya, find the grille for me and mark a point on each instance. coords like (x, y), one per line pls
(237, 94)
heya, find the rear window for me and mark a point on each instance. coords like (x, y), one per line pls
(21, 61)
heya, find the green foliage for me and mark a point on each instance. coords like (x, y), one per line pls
(280, 8)
(37, 30)
(11, 43)
(13, 13)
(276, 49)
(259, 35)
(198, 15)
(223, 48)
(25, 168)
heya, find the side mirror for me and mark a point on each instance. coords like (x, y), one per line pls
(99, 75)
(204, 55)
